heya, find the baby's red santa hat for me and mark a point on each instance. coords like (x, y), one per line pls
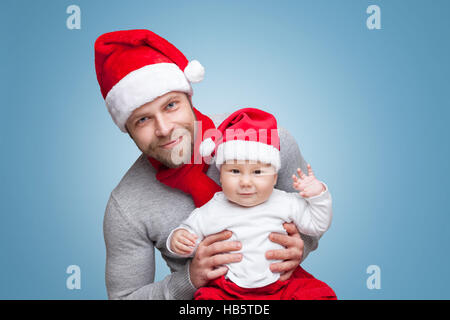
(247, 134)
(135, 67)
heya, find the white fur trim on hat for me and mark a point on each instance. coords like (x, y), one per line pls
(142, 86)
(194, 71)
(248, 150)
(207, 147)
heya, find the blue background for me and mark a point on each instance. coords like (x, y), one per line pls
(369, 109)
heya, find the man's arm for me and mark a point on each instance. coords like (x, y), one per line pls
(291, 159)
(130, 262)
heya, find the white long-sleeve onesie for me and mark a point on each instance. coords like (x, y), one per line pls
(252, 226)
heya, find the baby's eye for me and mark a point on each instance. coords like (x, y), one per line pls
(235, 171)
(257, 171)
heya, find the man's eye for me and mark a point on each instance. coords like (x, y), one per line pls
(171, 105)
(142, 120)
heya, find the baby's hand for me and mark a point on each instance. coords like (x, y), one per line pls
(308, 185)
(183, 242)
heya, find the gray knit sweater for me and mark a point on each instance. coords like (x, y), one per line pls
(139, 216)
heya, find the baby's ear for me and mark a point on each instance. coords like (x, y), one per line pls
(275, 178)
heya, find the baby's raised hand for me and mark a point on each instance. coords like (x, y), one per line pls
(183, 242)
(307, 185)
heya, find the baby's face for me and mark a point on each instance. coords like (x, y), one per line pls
(247, 183)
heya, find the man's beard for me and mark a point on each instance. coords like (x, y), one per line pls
(175, 156)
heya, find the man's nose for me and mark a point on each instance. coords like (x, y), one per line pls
(163, 127)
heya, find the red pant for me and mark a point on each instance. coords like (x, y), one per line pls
(301, 286)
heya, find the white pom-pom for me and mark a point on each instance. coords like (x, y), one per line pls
(194, 71)
(206, 147)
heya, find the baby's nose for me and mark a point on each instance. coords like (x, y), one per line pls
(246, 180)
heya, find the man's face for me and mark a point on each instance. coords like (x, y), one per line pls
(164, 129)
(247, 183)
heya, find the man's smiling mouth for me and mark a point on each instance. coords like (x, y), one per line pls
(172, 143)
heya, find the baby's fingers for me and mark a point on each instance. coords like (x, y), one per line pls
(301, 174)
(183, 249)
(310, 171)
(187, 235)
(187, 242)
(192, 237)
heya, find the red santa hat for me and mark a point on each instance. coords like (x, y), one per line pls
(135, 67)
(247, 134)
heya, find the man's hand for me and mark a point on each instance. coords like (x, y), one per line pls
(291, 256)
(211, 256)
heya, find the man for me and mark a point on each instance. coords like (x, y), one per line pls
(145, 81)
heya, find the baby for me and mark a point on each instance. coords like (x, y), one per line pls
(251, 208)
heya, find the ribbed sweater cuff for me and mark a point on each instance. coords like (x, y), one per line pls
(180, 285)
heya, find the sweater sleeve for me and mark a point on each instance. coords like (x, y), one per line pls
(130, 262)
(312, 216)
(291, 159)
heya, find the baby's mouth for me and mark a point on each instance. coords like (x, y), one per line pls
(246, 194)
